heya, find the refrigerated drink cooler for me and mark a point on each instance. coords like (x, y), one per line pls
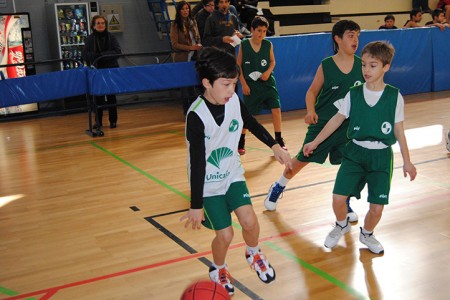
(16, 46)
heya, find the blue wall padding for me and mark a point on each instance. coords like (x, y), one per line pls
(420, 64)
(44, 87)
(142, 78)
(441, 59)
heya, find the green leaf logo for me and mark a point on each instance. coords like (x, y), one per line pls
(217, 155)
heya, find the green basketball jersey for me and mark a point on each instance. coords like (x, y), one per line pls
(335, 86)
(374, 123)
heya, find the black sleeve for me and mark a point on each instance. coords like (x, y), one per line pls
(195, 134)
(88, 54)
(257, 129)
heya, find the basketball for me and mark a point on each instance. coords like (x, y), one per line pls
(205, 290)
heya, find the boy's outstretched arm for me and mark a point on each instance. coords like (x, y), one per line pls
(331, 127)
(408, 167)
(282, 156)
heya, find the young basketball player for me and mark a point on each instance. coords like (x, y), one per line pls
(335, 75)
(213, 127)
(375, 111)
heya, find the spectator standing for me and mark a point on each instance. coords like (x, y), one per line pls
(203, 14)
(220, 28)
(100, 43)
(389, 23)
(257, 61)
(421, 5)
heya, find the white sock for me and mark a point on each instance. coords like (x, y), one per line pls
(283, 181)
(219, 267)
(252, 250)
(365, 231)
(342, 223)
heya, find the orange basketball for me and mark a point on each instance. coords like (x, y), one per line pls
(205, 290)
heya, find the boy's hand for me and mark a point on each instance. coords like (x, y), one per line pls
(311, 118)
(194, 216)
(309, 149)
(245, 89)
(408, 168)
(265, 76)
(282, 156)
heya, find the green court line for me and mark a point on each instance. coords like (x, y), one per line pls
(9, 292)
(317, 271)
(153, 178)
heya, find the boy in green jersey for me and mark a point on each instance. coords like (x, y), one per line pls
(375, 111)
(335, 75)
(257, 61)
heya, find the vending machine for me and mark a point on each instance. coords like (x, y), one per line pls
(71, 28)
(16, 46)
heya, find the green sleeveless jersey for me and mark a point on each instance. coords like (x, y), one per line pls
(373, 123)
(258, 62)
(335, 86)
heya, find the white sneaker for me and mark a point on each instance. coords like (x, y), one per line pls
(259, 263)
(371, 242)
(223, 277)
(335, 235)
(351, 215)
(275, 191)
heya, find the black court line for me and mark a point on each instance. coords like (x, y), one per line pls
(191, 250)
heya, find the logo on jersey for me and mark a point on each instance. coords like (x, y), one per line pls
(234, 125)
(386, 127)
(218, 155)
(356, 128)
(357, 82)
(263, 62)
(383, 196)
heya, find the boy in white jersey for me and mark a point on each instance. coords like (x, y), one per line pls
(376, 118)
(213, 127)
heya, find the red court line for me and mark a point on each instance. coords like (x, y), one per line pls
(49, 292)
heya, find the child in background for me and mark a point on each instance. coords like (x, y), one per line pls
(213, 126)
(335, 75)
(389, 23)
(438, 20)
(415, 16)
(376, 115)
(257, 61)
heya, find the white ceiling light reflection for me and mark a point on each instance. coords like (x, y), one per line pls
(422, 137)
(7, 199)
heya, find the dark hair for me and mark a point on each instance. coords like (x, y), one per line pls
(389, 17)
(205, 2)
(437, 12)
(340, 28)
(214, 63)
(178, 21)
(382, 50)
(94, 19)
(259, 21)
(414, 12)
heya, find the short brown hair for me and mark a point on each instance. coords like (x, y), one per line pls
(383, 50)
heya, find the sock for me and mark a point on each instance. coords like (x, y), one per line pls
(277, 135)
(283, 181)
(366, 232)
(242, 141)
(219, 267)
(342, 223)
(252, 250)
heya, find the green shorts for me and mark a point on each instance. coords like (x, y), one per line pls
(255, 106)
(218, 208)
(361, 165)
(333, 146)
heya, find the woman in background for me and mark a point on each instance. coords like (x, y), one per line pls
(101, 42)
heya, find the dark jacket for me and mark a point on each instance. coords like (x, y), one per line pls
(99, 44)
(217, 26)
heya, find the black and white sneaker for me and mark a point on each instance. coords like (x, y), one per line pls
(223, 277)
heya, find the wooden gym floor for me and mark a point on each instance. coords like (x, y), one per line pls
(98, 218)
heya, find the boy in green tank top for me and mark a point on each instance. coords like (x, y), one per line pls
(257, 61)
(335, 75)
(375, 111)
